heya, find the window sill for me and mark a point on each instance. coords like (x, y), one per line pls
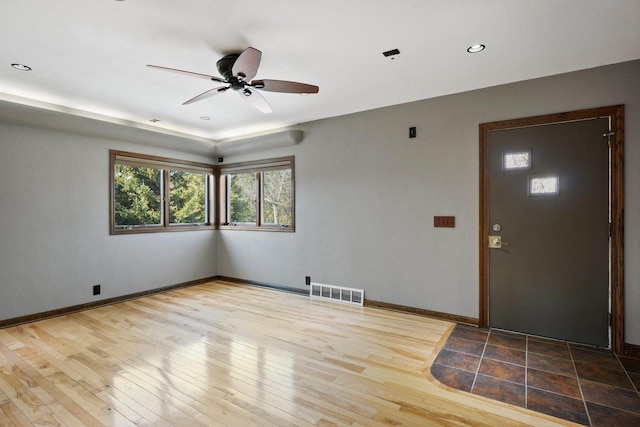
(159, 229)
(257, 228)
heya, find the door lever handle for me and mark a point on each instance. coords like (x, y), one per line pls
(496, 242)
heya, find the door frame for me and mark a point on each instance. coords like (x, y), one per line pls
(616, 271)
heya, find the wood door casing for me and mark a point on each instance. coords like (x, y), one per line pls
(616, 115)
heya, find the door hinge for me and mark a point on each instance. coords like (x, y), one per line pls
(609, 319)
(610, 229)
(608, 135)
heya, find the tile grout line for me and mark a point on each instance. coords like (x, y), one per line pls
(475, 377)
(566, 413)
(461, 351)
(575, 369)
(624, 369)
(565, 373)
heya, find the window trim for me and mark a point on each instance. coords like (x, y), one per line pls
(257, 167)
(166, 164)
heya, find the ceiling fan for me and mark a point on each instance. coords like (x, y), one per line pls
(238, 70)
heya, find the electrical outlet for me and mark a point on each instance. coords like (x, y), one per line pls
(96, 289)
(412, 132)
(307, 280)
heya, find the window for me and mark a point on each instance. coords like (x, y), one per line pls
(138, 196)
(544, 186)
(516, 160)
(150, 194)
(276, 197)
(243, 198)
(187, 197)
(258, 195)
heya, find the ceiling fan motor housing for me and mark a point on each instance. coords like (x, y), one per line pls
(225, 65)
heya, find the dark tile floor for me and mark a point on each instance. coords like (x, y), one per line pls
(586, 385)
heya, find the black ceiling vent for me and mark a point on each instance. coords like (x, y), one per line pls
(391, 53)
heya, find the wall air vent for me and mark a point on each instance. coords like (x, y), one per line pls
(337, 293)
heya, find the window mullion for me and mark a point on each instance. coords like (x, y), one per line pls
(212, 196)
(165, 197)
(259, 198)
(228, 200)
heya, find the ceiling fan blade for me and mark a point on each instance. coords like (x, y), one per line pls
(247, 63)
(188, 73)
(207, 94)
(284, 86)
(256, 100)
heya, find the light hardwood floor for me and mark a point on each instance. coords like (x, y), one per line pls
(225, 354)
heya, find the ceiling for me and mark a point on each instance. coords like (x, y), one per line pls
(89, 57)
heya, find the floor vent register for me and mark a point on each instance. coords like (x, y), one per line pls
(337, 293)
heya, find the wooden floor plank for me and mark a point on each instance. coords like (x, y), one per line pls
(26, 402)
(52, 367)
(225, 354)
(59, 405)
(12, 415)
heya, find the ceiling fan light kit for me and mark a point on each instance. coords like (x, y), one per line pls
(238, 71)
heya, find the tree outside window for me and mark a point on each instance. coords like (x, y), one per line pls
(138, 199)
(187, 198)
(153, 194)
(243, 198)
(276, 190)
(258, 195)
(150, 194)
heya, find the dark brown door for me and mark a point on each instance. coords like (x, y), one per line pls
(548, 214)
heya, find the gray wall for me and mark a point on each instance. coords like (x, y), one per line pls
(366, 195)
(54, 225)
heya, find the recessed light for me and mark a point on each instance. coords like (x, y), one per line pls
(476, 48)
(21, 67)
(154, 120)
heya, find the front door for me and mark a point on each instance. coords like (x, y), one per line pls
(548, 219)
